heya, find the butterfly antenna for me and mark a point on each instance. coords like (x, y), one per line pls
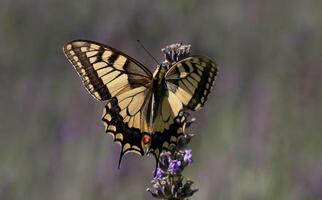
(148, 52)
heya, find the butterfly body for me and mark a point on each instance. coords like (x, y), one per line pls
(143, 109)
(159, 88)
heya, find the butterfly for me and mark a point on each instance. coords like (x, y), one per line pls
(144, 110)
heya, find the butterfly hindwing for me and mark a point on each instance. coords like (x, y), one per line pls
(106, 72)
(129, 138)
(134, 108)
(163, 140)
(191, 80)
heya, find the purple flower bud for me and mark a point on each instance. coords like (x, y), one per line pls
(175, 167)
(159, 174)
(187, 156)
(167, 154)
(164, 160)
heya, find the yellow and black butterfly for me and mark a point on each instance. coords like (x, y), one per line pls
(143, 109)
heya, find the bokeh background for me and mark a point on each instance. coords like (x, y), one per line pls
(259, 136)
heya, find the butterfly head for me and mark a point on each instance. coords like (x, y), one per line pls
(176, 52)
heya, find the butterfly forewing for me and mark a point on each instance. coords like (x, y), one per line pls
(106, 72)
(191, 80)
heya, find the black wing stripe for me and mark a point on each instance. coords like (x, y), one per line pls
(112, 58)
(206, 81)
(91, 73)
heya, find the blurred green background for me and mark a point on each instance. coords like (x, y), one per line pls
(259, 136)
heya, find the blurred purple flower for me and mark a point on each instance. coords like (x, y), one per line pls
(187, 156)
(167, 154)
(175, 167)
(164, 160)
(159, 174)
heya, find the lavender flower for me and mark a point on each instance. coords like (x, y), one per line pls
(159, 174)
(164, 160)
(175, 167)
(169, 184)
(187, 156)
